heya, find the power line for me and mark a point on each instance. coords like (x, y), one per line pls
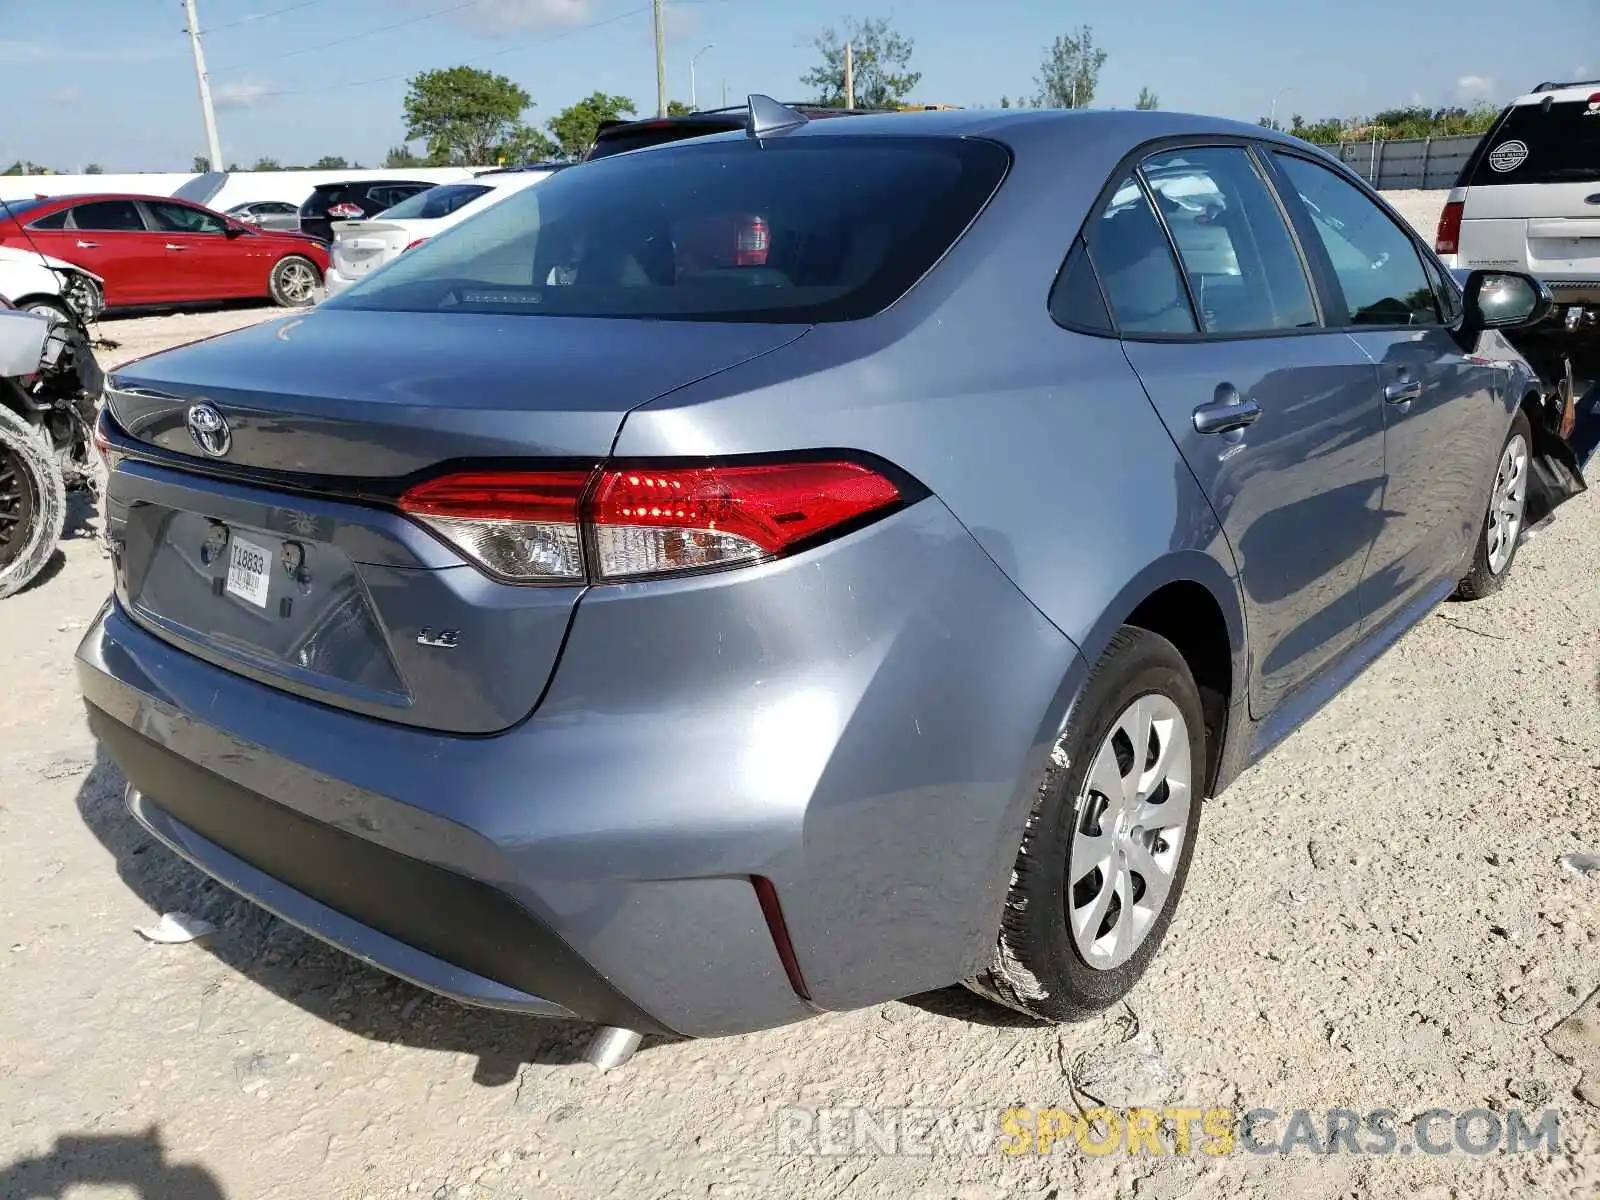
(277, 12)
(354, 37)
(416, 20)
(566, 33)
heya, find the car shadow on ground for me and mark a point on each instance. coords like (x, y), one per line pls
(313, 976)
(121, 1161)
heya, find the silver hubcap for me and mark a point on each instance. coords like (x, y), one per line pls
(1507, 504)
(296, 282)
(1131, 818)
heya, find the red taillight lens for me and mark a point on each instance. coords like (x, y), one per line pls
(520, 525)
(345, 212)
(651, 520)
(1448, 238)
(414, 245)
(529, 526)
(755, 240)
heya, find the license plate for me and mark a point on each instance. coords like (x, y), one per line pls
(249, 571)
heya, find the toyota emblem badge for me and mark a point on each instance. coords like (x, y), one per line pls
(209, 429)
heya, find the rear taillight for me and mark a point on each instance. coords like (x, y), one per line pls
(1448, 238)
(755, 239)
(414, 245)
(637, 522)
(345, 212)
(519, 525)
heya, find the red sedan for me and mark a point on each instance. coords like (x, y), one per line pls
(154, 250)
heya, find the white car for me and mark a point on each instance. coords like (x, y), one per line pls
(35, 282)
(361, 247)
(1529, 198)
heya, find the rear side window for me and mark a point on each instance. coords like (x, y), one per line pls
(1244, 270)
(1134, 261)
(55, 220)
(436, 202)
(793, 229)
(108, 216)
(1076, 301)
(1540, 143)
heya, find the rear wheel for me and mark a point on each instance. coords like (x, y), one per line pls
(294, 282)
(32, 503)
(1107, 847)
(1496, 549)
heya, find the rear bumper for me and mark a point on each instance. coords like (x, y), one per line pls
(336, 281)
(1583, 292)
(862, 725)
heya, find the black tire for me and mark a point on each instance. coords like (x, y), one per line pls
(285, 282)
(1037, 967)
(1488, 574)
(33, 502)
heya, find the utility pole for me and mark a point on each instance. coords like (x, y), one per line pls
(849, 75)
(213, 144)
(694, 94)
(661, 61)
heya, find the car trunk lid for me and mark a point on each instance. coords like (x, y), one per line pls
(284, 559)
(361, 247)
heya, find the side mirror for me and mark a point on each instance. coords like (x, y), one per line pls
(1506, 300)
(235, 231)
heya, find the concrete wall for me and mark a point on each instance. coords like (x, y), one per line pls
(1413, 163)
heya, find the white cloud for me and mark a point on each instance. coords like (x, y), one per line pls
(14, 52)
(66, 97)
(1475, 87)
(492, 17)
(239, 95)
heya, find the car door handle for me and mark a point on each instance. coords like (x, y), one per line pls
(170, 246)
(87, 245)
(1225, 417)
(1403, 391)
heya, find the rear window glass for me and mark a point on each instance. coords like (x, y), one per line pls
(794, 229)
(324, 197)
(436, 202)
(1535, 143)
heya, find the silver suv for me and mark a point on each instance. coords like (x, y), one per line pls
(1529, 198)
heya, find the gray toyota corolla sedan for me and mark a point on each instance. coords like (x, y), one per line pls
(789, 570)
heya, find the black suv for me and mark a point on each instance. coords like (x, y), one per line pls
(615, 137)
(353, 200)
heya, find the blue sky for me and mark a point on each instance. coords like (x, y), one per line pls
(111, 81)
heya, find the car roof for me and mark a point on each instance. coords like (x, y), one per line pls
(1560, 93)
(1017, 127)
(90, 197)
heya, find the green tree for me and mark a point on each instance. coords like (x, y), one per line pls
(1071, 71)
(676, 108)
(465, 115)
(330, 162)
(23, 167)
(574, 128)
(1148, 100)
(266, 163)
(526, 145)
(881, 59)
(94, 169)
(401, 156)
(200, 165)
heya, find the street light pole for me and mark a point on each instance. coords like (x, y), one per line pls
(694, 95)
(1273, 119)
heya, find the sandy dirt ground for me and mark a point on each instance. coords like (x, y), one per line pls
(1377, 918)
